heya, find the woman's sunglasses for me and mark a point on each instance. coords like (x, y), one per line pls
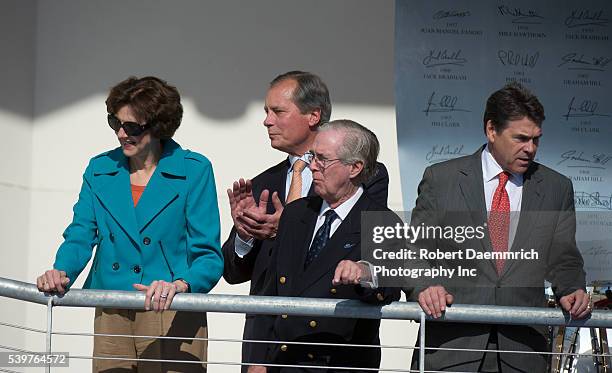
(130, 128)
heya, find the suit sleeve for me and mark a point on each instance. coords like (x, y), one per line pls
(203, 227)
(378, 185)
(237, 270)
(566, 264)
(80, 236)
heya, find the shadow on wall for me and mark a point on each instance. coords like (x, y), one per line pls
(220, 54)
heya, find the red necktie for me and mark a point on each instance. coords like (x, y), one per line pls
(499, 219)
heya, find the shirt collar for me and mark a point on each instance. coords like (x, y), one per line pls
(293, 159)
(345, 207)
(490, 168)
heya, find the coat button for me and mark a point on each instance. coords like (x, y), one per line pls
(146, 240)
(111, 236)
(282, 280)
(310, 356)
(115, 266)
(283, 348)
(333, 290)
(284, 316)
(312, 324)
(136, 269)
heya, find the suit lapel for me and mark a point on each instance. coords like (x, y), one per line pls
(295, 256)
(282, 186)
(343, 242)
(531, 201)
(472, 189)
(275, 180)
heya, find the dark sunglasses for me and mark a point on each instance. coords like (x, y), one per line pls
(130, 128)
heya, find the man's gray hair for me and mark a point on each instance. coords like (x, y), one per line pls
(359, 145)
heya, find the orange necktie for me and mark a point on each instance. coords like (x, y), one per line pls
(499, 219)
(295, 189)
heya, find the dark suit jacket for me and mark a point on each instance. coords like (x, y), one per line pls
(254, 265)
(451, 193)
(287, 277)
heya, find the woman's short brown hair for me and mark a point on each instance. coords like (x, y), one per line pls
(152, 100)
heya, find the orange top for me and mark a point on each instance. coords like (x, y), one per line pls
(137, 192)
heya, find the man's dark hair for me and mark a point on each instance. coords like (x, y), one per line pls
(512, 102)
(311, 93)
(152, 100)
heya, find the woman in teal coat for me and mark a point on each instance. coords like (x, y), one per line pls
(150, 208)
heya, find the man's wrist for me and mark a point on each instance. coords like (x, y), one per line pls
(369, 279)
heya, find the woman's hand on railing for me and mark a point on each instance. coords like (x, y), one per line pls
(257, 369)
(160, 293)
(53, 281)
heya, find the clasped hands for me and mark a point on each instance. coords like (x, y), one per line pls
(251, 219)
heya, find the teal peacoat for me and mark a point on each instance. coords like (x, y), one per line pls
(173, 232)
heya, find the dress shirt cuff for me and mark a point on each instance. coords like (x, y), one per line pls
(242, 247)
(370, 280)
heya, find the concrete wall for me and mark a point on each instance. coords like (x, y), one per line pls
(17, 33)
(221, 56)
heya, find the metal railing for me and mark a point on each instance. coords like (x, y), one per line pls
(301, 307)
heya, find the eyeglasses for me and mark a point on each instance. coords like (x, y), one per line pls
(319, 160)
(130, 128)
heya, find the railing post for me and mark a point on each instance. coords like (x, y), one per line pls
(422, 344)
(49, 328)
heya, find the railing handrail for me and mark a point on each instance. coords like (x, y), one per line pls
(467, 313)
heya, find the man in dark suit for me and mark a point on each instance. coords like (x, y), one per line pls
(317, 254)
(500, 181)
(297, 103)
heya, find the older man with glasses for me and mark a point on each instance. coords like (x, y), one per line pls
(317, 254)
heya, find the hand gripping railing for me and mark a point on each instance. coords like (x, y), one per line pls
(304, 307)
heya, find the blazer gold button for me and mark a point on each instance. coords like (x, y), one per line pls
(284, 316)
(310, 356)
(333, 290)
(312, 324)
(380, 297)
(283, 348)
(136, 269)
(115, 266)
(282, 279)
(146, 240)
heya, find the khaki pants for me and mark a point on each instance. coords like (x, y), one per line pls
(167, 323)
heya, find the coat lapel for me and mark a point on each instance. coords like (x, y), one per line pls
(111, 185)
(160, 191)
